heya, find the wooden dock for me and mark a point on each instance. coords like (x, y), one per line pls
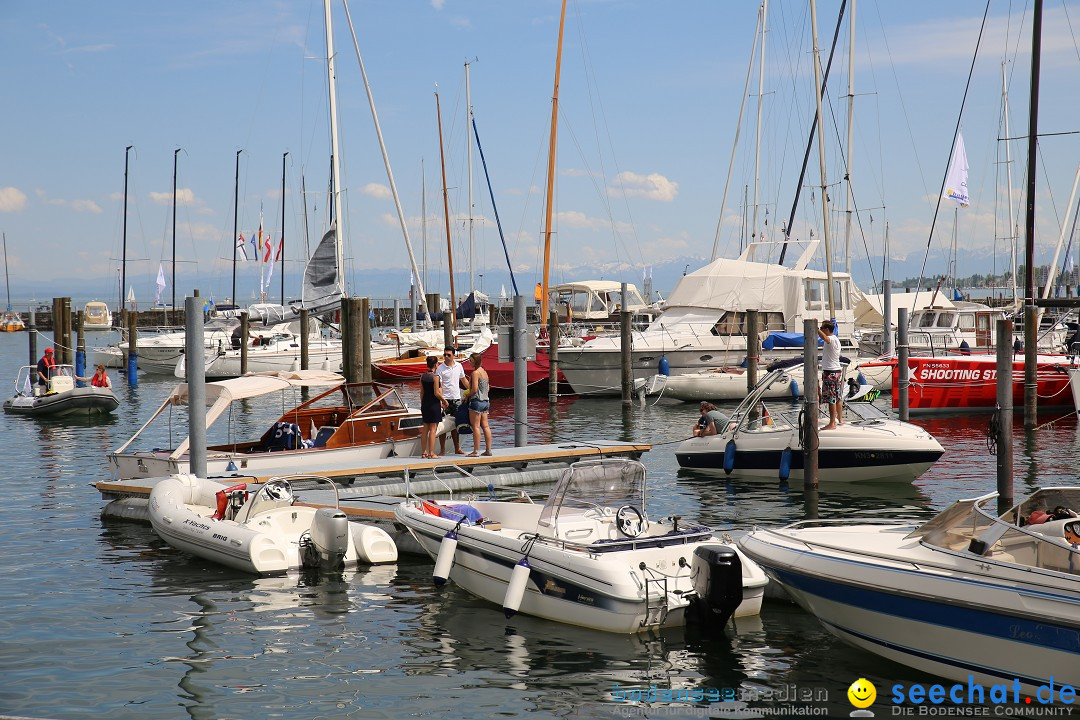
(371, 489)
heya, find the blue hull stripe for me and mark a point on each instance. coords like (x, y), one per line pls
(973, 620)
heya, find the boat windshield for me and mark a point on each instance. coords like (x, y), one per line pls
(586, 484)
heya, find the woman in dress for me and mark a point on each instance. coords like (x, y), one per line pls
(431, 407)
(479, 386)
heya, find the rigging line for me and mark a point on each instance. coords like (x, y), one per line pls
(952, 149)
(483, 161)
(813, 130)
(591, 87)
(1068, 19)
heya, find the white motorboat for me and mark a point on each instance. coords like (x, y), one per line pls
(158, 352)
(759, 442)
(264, 532)
(61, 398)
(703, 324)
(719, 384)
(968, 593)
(353, 422)
(274, 350)
(96, 316)
(589, 556)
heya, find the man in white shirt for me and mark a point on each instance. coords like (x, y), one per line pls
(831, 374)
(452, 375)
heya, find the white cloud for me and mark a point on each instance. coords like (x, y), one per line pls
(438, 4)
(376, 190)
(12, 199)
(576, 172)
(580, 221)
(184, 196)
(653, 186)
(77, 205)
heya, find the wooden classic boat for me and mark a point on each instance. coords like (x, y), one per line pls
(357, 421)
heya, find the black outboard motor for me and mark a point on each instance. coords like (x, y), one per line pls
(717, 574)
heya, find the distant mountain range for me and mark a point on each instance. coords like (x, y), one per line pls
(388, 283)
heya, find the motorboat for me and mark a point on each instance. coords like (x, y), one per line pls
(354, 421)
(96, 316)
(274, 349)
(703, 324)
(159, 351)
(768, 443)
(969, 382)
(264, 530)
(61, 398)
(718, 384)
(968, 593)
(589, 556)
(412, 363)
(11, 321)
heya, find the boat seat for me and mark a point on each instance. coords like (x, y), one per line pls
(324, 434)
(284, 436)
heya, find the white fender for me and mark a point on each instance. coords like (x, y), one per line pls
(515, 590)
(373, 544)
(445, 560)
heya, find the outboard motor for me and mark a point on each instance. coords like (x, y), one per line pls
(716, 571)
(329, 539)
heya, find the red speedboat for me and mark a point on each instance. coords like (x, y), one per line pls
(943, 384)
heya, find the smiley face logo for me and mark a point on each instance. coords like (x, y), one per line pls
(862, 693)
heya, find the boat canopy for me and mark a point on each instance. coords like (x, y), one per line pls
(220, 394)
(870, 310)
(611, 482)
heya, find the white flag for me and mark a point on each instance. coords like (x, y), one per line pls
(160, 283)
(956, 183)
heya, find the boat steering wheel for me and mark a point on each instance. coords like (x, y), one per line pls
(631, 521)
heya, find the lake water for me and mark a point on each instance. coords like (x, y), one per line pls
(102, 619)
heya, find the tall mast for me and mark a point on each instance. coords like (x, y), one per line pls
(176, 154)
(821, 160)
(423, 219)
(235, 226)
(760, 97)
(7, 279)
(386, 161)
(551, 171)
(335, 150)
(850, 197)
(468, 155)
(1008, 180)
(446, 215)
(123, 259)
(281, 246)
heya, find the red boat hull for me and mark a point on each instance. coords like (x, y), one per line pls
(942, 384)
(501, 374)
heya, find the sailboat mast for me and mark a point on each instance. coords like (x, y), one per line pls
(850, 197)
(1008, 180)
(235, 226)
(123, 259)
(446, 215)
(423, 221)
(176, 154)
(281, 245)
(339, 214)
(551, 171)
(760, 97)
(468, 155)
(821, 160)
(7, 279)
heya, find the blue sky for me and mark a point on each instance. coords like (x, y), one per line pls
(649, 101)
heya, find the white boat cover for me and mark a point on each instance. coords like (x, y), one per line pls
(870, 310)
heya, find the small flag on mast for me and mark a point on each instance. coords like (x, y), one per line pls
(160, 283)
(240, 245)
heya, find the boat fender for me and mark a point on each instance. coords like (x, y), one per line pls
(515, 590)
(716, 571)
(793, 386)
(445, 559)
(663, 367)
(785, 463)
(223, 497)
(729, 456)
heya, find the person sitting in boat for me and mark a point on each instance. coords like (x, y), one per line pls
(46, 368)
(100, 378)
(711, 422)
(237, 337)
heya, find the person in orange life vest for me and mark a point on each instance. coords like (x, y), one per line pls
(100, 378)
(46, 368)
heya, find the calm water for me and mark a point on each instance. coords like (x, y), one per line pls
(103, 619)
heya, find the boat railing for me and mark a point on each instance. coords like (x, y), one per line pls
(681, 537)
(304, 478)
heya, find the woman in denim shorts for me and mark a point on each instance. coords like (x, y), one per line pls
(479, 387)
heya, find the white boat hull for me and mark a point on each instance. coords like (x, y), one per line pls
(595, 590)
(955, 616)
(180, 513)
(715, 385)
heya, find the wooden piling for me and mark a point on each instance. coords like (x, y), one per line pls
(553, 357)
(1004, 414)
(626, 351)
(810, 393)
(245, 337)
(753, 354)
(305, 331)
